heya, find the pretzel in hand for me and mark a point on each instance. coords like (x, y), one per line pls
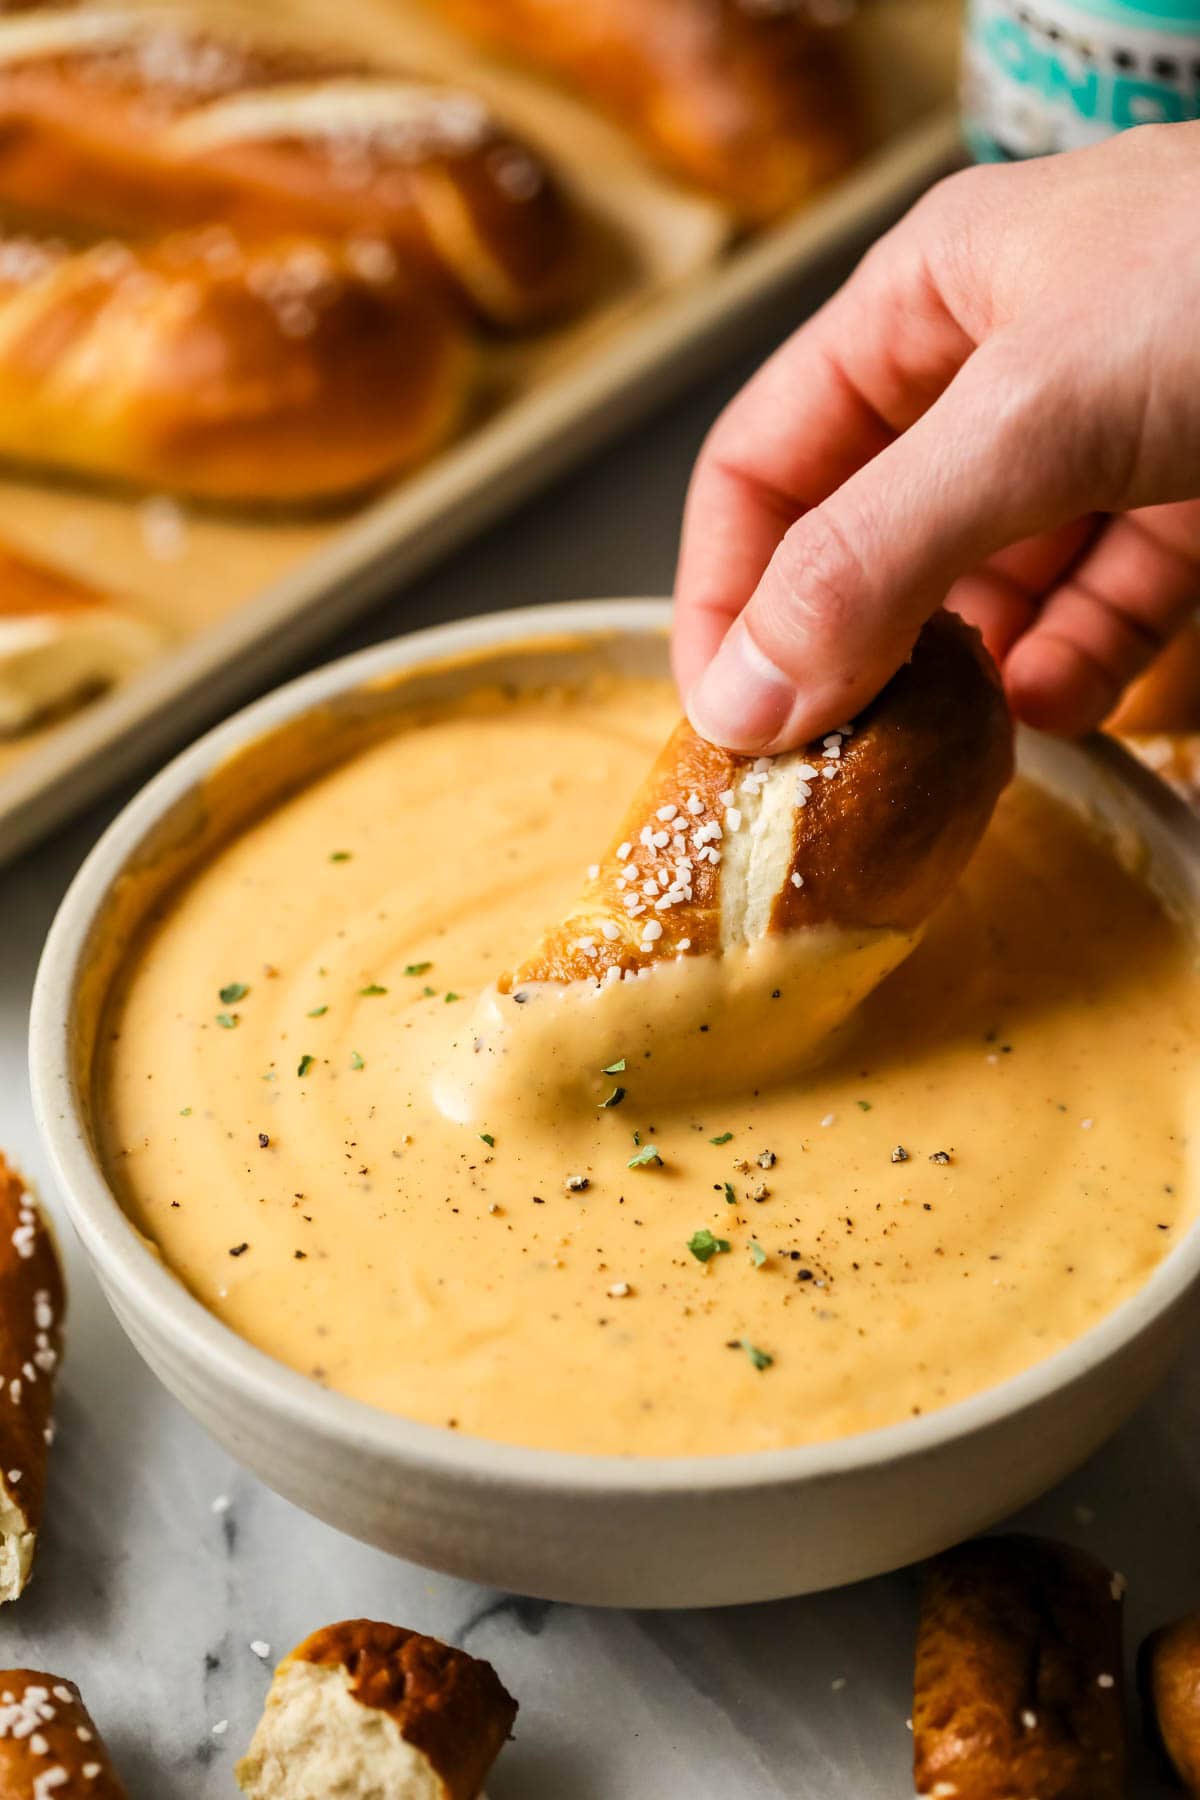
(49, 1746)
(135, 121)
(751, 100)
(32, 1300)
(256, 374)
(1018, 1675)
(747, 906)
(60, 642)
(366, 1708)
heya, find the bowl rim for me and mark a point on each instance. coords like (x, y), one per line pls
(128, 1267)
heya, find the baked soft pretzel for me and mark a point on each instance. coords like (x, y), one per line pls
(60, 641)
(366, 1708)
(870, 829)
(49, 1746)
(746, 907)
(752, 102)
(32, 1300)
(1018, 1686)
(278, 373)
(1169, 1678)
(143, 121)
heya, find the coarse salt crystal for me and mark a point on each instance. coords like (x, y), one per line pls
(797, 881)
(610, 930)
(619, 1290)
(260, 1649)
(666, 813)
(593, 871)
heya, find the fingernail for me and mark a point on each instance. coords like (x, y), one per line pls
(742, 701)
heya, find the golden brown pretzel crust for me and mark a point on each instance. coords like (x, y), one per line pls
(878, 845)
(264, 373)
(1018, 1675)
(88, 138)
(33, 587)
(1169, 1678)
(752, 103)
(450, 1706)
(45, 1727)
(32, 1304)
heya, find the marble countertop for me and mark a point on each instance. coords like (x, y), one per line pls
(161, 1561)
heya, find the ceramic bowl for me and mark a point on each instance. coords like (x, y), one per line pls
(605, 1530)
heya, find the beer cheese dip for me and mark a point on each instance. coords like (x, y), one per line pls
(992, 1159)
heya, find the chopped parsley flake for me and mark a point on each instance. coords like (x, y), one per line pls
(356, 1061)
(704, 1246)
(641, 1159)
(185, 1112)
(726, 1188)
(371, 988)
(488, 1139)
(233, 991)
(417, 968)
(339, 856)
(449, 997)
(617, 1068)
(305, 1064)
(318, 1012)
(758, 1255)
(864, 1105)
(227, 1021)
(615, 1098)
(758, 1357)
(429, 992)
(726, 1137)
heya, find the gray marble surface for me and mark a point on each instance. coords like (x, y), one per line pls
(150, 1598)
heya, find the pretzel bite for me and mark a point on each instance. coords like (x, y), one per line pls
(1169, 1678)
(365, 1709)
(1018, 1685)
(746, 907)
(138, 121)
(1167, 697)
(32, 1301)
(49, 1747)
(60, 641)
(751, 101)
(278, 373)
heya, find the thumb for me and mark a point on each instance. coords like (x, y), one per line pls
(837, 610)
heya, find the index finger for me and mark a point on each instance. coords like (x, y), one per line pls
(831, 398)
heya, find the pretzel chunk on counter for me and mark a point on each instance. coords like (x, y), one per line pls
(1169, 1678)
(363, 1709)
(1018, 1681)
(60, 642)
(49, 1746)
(140, 120)
(753, 102)
(32, 1302)
(251, 373)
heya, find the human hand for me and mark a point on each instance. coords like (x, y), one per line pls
(1000, 409)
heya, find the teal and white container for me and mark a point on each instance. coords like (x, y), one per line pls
(1057, 74)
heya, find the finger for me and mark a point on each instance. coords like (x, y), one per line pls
(835, 395)
(1120, 605)
(1003, 597)
(844, 596)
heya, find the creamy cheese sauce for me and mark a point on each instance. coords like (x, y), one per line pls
(992, 1160)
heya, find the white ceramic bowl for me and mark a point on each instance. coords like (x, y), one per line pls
(606, 1530)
